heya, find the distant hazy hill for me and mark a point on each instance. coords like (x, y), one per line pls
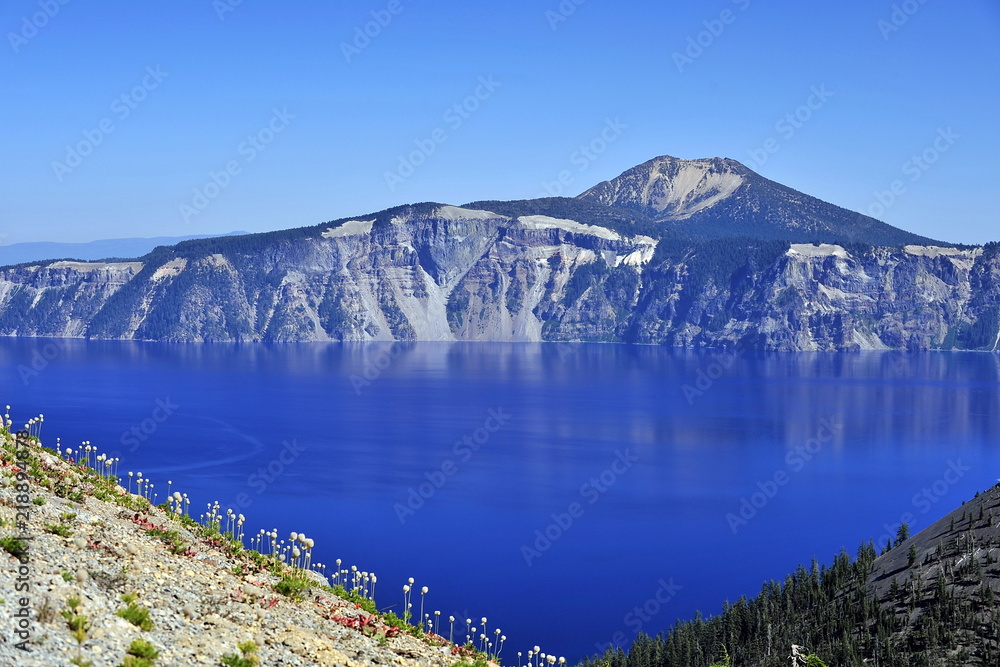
(17, 253)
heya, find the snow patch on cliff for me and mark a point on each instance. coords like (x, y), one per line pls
(95, 266)
(933, 251)
(821, 250)
(170, 269)
(349, 228)
(545, 222)
(638, 257)
(456, 213)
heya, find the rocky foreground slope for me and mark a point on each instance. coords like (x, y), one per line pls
(138, 580)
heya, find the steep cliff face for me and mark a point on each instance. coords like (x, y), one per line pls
(446, 273)
(675, 252)
(443, 274)
(824, 297)
(59, 298)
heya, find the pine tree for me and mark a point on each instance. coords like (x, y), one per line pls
(903, 533)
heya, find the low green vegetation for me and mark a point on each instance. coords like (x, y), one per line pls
(60, 529)
(140, 654)
(14, 546)
(292, 586)
(351, 596)
(246, 658)
(134, 614)
(78, 626)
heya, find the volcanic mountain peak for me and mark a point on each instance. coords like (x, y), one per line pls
(722, 198)
(672, 188)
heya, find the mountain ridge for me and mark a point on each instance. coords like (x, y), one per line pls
(720, 197)
(552, 269)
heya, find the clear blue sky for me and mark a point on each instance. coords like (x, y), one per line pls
(558, 83)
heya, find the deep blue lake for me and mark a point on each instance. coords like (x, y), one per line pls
(571, 493)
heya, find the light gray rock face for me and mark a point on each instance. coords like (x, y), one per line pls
(823, 297)
(432, 272)
(442, 274)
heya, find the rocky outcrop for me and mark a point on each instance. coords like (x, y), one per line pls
(59, 298)
(824, 297)
(443, 274)
(674, 252)
(448, 273)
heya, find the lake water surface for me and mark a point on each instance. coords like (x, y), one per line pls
(571, 493)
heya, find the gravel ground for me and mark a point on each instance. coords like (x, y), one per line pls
(200, 608)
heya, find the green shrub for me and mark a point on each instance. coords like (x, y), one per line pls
(140, 654)
(393, 621)
(14, 546)
(134, 614)
(355, 597)
(247, 657)
(60, 529)
(292, 586)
